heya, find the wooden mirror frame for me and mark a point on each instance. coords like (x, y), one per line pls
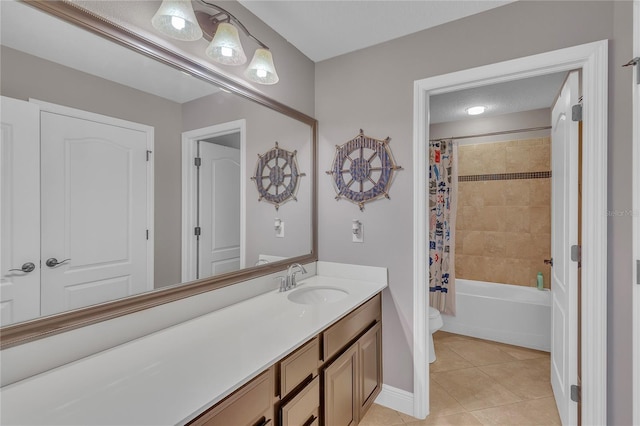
(27, 331)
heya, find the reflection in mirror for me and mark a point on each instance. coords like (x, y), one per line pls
(101, 189)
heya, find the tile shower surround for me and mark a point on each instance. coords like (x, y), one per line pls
(503, 224)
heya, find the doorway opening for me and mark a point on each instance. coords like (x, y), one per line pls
(591, 60)
(213, 200)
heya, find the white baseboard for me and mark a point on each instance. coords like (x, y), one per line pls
(396, 399)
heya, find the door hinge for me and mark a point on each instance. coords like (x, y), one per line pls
(576, 253)
(148, 154)
(576, 112)
(576, 393)
(197, 161)
(638, 271)
(197, 231)
(147, 234)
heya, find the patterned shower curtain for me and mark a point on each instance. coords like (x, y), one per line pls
(443, 187)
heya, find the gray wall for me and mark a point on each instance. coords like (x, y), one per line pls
(372, 89)
(296, 71)
(264, 127)
(25, 76)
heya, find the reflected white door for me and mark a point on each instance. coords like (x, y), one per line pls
(94, 211)
(564, 234)
(19, 211)
(219, 212)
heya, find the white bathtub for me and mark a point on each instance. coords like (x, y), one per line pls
(503, 313)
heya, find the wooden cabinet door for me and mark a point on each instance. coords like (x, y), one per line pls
(341, 391)
(369, 368)
(249, 406)
(303, 408)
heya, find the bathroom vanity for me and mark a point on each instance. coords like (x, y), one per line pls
(308, 356)
(345, 358)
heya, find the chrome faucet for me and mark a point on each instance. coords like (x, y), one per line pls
(289, 281)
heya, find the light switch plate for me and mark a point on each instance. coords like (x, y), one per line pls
(280, 231)
(359, 237)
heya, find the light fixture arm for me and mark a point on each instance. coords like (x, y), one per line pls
(236, 21)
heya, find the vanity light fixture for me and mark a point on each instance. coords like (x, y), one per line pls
(177, 19)
(476, 110)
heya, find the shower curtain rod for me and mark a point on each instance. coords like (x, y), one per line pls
(505, 132)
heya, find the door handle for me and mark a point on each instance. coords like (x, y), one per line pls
(27, 267)
(548, 262)
(52, 262)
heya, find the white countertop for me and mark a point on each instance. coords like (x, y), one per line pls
(171, 376)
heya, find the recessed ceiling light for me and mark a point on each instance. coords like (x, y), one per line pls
(475, 110)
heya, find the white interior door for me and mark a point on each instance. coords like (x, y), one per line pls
(94, 211)
(19, 211)
(219, 200)
(564, 234)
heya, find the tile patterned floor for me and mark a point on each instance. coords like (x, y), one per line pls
(478, 382)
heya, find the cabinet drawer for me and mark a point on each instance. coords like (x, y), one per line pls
(298, 366)
(348, 328)
(251, 405)
(303, 409)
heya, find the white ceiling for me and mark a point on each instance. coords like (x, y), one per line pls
(504, 98)
(323, 29)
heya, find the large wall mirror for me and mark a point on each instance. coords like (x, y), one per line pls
(125, 174)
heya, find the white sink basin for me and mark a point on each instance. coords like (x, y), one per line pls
(315, 295)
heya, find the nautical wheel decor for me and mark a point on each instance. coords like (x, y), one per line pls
(363, 169)
(277, 176)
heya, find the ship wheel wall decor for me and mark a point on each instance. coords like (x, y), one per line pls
(277, 176)
(363, 169)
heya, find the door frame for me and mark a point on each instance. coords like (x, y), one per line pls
(190, 194)
(592, 60)
(636, 218)
(149, 132)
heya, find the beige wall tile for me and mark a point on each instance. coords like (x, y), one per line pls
(539, 159)
(492, 157)
(517, 219)
(494, 244)
(540, 192)
(519, 272)
(493, 192)
(473, 243)
(516, 159)
(489, 218)
(518, 245)
(517, 193)
(459, 239)
(502, 225)
(540, 246)
(540, 219)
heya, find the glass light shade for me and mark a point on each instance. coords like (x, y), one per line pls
(261, 69)
(175, 18)
(225, 47)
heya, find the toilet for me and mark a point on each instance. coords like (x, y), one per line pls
(435, 324)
